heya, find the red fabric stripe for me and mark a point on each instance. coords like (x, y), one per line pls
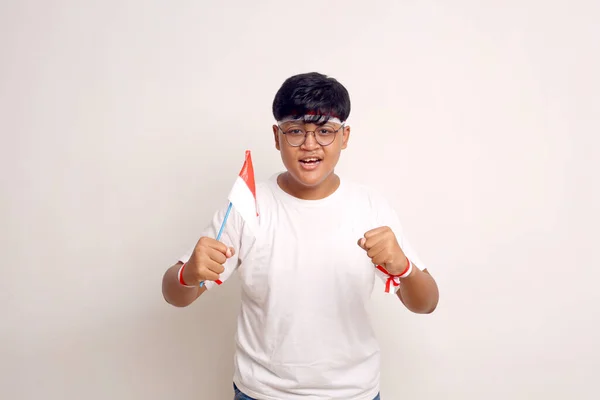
(181, 276)
(407, 267)
(247, 174)
(218, 282)
(390, 280)
(322, 114)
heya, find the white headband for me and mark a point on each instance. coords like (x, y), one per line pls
(310, 118)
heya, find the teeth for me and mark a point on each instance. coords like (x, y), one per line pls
(310, 159)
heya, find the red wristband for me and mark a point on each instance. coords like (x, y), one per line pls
(180, 276)
(408, 265)
(394, 280)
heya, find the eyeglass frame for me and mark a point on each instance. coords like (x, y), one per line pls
(335, 132)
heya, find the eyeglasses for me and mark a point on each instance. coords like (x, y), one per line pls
(296, 136)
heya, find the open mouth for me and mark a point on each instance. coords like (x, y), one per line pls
(311, 161)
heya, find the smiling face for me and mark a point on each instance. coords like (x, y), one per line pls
(310, 153)
(310, 110)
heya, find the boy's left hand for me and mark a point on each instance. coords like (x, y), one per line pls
(383, 249)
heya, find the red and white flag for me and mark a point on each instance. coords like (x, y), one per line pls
(243, 194)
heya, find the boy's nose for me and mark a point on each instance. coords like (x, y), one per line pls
(311, 141)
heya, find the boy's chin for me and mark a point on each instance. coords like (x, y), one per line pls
(311, 179)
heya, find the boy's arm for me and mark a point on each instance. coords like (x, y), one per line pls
(204, 264)
(419, 292)
(209, 261)
(175, 293)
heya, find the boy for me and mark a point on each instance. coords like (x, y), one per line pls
(308, 270)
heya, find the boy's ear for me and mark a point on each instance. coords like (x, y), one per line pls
(276, 136)
(345, 137)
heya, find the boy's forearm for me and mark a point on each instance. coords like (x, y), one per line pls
(175, 293)
(419, 292)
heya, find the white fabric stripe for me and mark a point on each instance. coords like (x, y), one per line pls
(384, 277)
(179, 275)
(408, 271)
(243, 200)
(209, 285)
(308, 117)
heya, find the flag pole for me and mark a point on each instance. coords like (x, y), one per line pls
(224, 221)
(222, 228)
(243, 188)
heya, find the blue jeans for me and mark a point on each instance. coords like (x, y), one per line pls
(241, 396)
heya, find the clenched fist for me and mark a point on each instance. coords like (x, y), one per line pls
(383, 249)
(206, 262)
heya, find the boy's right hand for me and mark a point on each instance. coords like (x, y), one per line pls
(206, 262)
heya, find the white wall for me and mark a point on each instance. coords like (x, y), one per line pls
(124, 123)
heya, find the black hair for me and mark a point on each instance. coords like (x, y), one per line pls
(314, 95)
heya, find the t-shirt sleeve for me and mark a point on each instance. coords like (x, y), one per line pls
(231, 237)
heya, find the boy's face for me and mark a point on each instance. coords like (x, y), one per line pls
(313, 161)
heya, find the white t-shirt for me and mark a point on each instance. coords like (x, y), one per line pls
(303, 331)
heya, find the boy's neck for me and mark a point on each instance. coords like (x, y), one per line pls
(294, 188)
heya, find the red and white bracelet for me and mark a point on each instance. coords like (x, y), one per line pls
(180, 277)
(395, 279)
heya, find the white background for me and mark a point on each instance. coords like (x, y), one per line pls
(124, 124)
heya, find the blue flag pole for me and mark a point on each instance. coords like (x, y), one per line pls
(222, 228)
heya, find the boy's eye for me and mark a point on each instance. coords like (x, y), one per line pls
(326, 132)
